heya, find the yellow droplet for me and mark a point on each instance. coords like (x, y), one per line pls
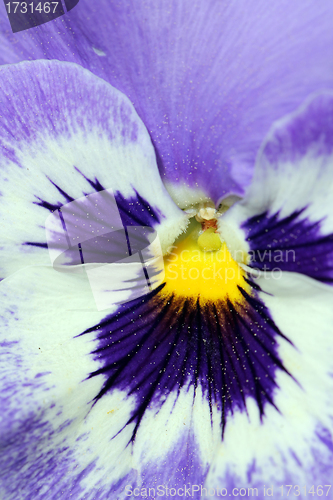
(209, 240)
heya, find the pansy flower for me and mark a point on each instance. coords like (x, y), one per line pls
(211, 124)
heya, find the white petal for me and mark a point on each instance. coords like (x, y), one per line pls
(292, 445)
(68, 133)
(285, 220)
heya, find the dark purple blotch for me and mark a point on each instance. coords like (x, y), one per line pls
(162, 343)
(112, 246)
(292, 243)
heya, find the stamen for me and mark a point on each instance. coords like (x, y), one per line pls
(212, 223)
(206, 213)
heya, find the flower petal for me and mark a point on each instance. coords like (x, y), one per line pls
(286, 217)
(56, 439)
(208, 78)
(64, 135)
(142, 397)
(292, 446)
(44, 396)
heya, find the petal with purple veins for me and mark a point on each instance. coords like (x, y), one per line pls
(286, 217)
(65, 135)
(293, 445)
(142, 396)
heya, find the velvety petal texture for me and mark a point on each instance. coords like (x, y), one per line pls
(64, 135)
(207, 77)
(61, 439)
(110, 381)
(44, 399)
(292, 446)
(91, 406)
(286, 217)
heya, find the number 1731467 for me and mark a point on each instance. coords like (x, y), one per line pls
(296, 490)
(31, 8)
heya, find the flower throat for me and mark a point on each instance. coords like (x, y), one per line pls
(199, 266)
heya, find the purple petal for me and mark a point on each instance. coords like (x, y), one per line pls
(68, 134)
(208, 78)
(96, 404)
(78, 420)
(160, 343)
(45, 404)
(293, 446)
(286, 217)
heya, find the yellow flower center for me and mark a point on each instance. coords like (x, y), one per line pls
(202, 267)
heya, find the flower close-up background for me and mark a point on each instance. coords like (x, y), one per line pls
(167, 251)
